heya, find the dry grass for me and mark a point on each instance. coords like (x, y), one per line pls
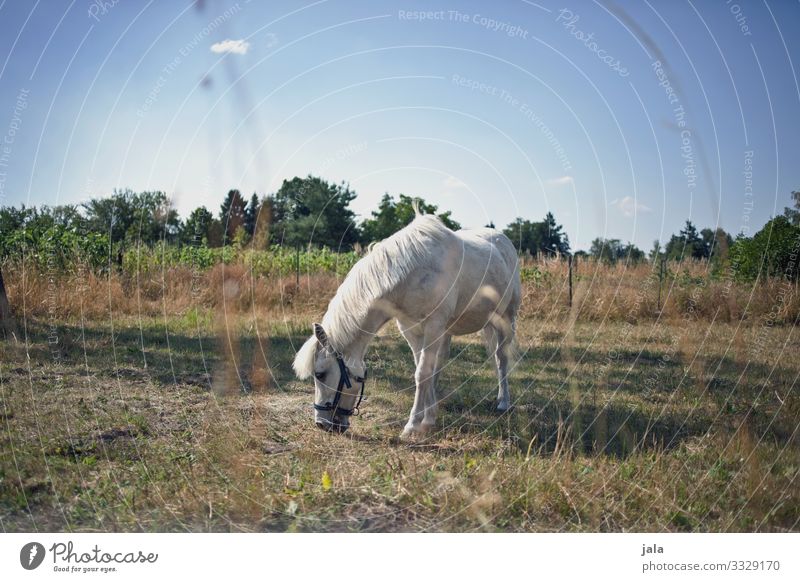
(600, 293)
(631, 292)
(169, 404)
(174, 292)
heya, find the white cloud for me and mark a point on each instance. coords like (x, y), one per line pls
(237, 47)
(562, 181)
(628, 206)
(272, 39)
(453, 183)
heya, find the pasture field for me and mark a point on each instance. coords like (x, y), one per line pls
(137, 409)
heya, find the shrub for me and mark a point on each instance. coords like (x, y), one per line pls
(772, 252)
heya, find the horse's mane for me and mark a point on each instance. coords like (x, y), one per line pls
(386, 266)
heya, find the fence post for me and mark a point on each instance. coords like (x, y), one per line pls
(297, 266)
(6, 321)
(570, 280)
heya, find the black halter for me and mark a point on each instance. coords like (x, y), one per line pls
(344, 380)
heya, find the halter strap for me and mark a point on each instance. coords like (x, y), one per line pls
(344, 380)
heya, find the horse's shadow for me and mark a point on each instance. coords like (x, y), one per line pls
(554, 426)
(543, 420)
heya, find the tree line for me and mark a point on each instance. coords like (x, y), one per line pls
(707, 244)
(311, 212)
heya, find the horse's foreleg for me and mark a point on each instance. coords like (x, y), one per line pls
(423, 413)
(432, 401)
(415, 340)
(441, 360)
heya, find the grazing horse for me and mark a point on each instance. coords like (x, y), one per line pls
(436, 283)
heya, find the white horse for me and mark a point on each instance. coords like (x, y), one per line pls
(436, 283)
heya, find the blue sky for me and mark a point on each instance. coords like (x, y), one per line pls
(492, 110)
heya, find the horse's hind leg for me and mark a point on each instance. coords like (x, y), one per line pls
(498, 336)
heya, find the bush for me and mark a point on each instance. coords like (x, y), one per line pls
(772, 252)
(277, 261)
(57, 248)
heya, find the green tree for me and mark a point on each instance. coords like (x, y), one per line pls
(771, 252)
(145, 217)
(656, 253)
(384, 222)
(555, 240)
(391, 216)
(13, 219)
(232, 215)
(66, 215)
(793, 214)
(688, 244)
(716, 243)
(154, 218)
(262, 226)
(632, 253)
(310, 211)
(580, 254)
(113, 216)
(606, 250)
(612, 250)
(251, 214)
(546, 237)
(524, 235)
(196, 230)
(14, 232)
(54, 237)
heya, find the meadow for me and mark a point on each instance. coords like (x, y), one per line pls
(162, 399)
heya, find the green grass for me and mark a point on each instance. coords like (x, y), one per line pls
(151, 427)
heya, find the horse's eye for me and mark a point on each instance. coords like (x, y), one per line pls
(320, 376)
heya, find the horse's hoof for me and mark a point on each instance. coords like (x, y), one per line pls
(417, 431)
(503, 407)
(408, 432)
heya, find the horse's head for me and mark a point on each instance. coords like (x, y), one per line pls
(338, 383)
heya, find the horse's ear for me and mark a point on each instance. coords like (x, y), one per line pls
(321, 336)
